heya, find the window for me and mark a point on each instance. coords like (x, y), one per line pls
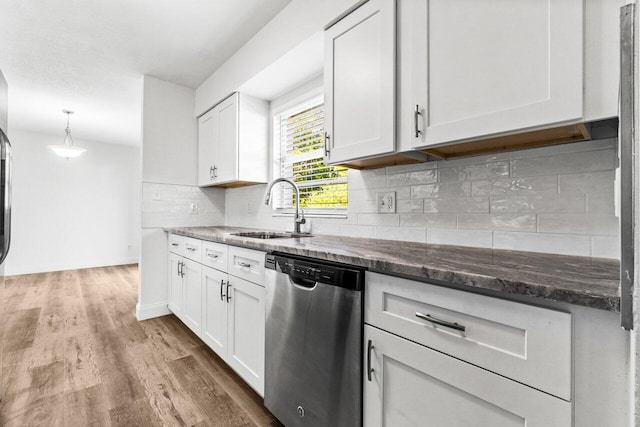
(299, 149)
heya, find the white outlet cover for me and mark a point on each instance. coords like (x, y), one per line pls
(386, 202)
(194, 208)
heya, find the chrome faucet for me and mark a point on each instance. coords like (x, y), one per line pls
(299, 216)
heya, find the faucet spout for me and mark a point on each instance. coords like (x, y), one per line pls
(299, 215)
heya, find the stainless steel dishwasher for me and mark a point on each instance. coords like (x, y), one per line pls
(313, 372)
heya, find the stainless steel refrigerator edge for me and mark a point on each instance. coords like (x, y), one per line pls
(627, 153)
(5, 209)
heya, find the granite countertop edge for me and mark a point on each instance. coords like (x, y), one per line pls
(584, 281)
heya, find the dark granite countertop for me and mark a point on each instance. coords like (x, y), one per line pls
(589, 282)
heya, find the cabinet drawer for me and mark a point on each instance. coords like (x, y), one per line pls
(408, 384)
(529, 344)
(176, 244)
(246, 264)
(215, 255)
(192, 249)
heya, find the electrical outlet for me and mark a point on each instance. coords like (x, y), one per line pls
(157, 195)
(194, 208)
(386, 202)
(251, 208)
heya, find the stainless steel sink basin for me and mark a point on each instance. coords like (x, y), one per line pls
(269, 235)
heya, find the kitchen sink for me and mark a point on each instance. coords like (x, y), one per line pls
(269, 235)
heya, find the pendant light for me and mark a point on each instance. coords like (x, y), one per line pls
(67, 150)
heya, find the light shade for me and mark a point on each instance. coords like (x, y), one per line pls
(67, 151)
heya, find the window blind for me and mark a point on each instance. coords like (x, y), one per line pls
(299, 137)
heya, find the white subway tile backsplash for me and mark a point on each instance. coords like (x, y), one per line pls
(444, 190)
(601, 203)
(559, 200)
(461, 205)
(566, 244)
(543, 203)
(378, 219)
(475, 172)
(590, 182)
(428, 220)
(429, 176)
(514, 186)
(408, 234)
(605, 246)
(476, 238)
(587, 161)
(578, 224)
(410, 206)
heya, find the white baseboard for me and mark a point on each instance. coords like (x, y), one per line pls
(152, 310)
(13, 270)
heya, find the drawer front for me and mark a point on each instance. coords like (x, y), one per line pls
(529, 344)
(176, 244)
(192, 249)
(246, 264)
(215, 255)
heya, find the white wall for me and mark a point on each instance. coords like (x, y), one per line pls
(169, 177)
(294, 24)
(73, 213)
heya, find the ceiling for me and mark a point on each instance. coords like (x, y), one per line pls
(89, 56)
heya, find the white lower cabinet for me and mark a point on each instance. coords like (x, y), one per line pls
(412, 385)
(175, 284)
(227, 312)
(192, 304)
(246, 329)
(214, 310)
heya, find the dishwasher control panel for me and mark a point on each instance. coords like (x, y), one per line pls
(311, 269)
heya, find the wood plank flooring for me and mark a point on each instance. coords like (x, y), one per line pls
(75, 355)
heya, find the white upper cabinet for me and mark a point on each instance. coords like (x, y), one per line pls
(486, 68)
(233, 142)
(360, 83)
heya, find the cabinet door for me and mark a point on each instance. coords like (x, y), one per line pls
(483, 68)
(412, 385)
(214, 310)
(246, 332)
(360, 83)
(175, 284)
(226, 162)
(207, 129)
(192, 307)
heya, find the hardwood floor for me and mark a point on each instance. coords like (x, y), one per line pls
(75, 355)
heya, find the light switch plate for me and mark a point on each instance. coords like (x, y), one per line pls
(386, 202)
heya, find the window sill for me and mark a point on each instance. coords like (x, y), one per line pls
(336, 215)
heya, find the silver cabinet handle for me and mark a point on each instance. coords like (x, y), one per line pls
(191, 249)
(369, 368)
(222, 295)
(228, 293)
(180, 268)
(327, 148)
(444, 323)
(416, 113)
(175, 244)
(210, 172)
(215, 171)
(244, 264)
(212, 255)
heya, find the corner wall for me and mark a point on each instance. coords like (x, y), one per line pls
(169, 185)
(75, 213)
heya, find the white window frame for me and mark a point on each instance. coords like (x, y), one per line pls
(292, 101)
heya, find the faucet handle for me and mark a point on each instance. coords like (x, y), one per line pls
(302, 219)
